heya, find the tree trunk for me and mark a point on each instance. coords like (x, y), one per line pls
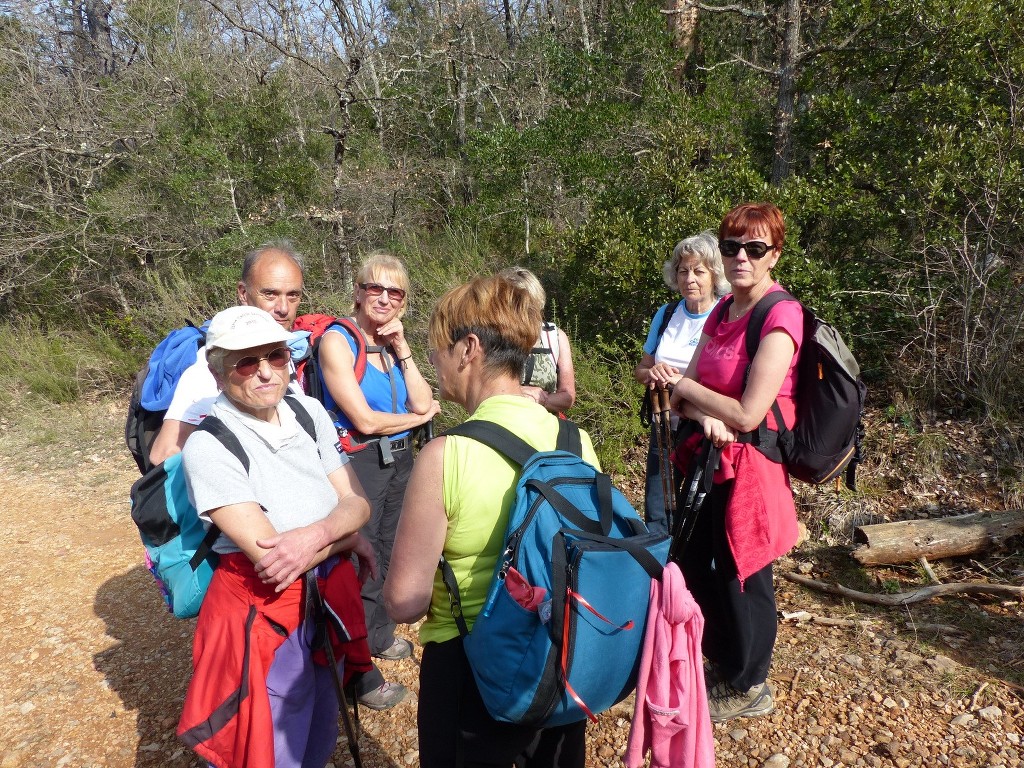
(511, 32)
(906, 541)
(785, 102)
(682, 23)
(339, 237)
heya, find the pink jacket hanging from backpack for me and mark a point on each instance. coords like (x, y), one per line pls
(671, 717)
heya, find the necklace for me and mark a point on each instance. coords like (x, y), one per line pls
(736, 312)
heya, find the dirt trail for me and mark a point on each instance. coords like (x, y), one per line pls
(94, 669)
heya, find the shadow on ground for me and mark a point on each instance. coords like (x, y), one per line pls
(150, 666)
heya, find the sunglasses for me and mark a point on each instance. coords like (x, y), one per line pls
(278, 358)
(373, 290)
(755, 248)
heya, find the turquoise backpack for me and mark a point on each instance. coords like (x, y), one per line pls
(179, 550)
(574, 535)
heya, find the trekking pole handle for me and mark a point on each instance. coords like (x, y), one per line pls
(664, 401)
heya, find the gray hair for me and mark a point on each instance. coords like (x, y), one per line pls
(215, 358)
(704, 246)
(284, 247)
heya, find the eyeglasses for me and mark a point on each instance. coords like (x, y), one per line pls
(278, 358)
(755, 248)
(373, 290)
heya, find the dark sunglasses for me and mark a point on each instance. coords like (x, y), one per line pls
(755, 248)
(374, 290)
(278, 358)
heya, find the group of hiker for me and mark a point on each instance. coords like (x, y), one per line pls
(326, 513)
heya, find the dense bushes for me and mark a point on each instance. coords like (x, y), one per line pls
(583, 147)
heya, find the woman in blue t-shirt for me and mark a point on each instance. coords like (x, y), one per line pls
(695, 270)
(374, 416)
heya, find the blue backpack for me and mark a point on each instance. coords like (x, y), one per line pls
(179, 551)
(576, 536)
(154, 387)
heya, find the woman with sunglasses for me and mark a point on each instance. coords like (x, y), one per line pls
(749, 519)
(374, 415)
(288, 515)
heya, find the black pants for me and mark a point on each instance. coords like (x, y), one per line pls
(384, 486)
(455, 730)
(739, 625)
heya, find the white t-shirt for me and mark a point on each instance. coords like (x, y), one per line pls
(194, 393)
(681, 337)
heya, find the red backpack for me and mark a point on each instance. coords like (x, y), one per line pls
(308, 373)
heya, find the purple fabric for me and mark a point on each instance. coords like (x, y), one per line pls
(303, 704)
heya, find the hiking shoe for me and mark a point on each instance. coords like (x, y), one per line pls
(400, 649)
(384, 697)
(712, 676)
(728, 703)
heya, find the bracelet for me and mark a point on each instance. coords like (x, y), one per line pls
(407, 357)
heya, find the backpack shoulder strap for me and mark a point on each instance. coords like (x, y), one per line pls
(497, 437)
(550, 333)
(512, 446)
(226, 437)
(723, 307)
(757, 318)
(670, 310)
(301, 415)
(353, 330)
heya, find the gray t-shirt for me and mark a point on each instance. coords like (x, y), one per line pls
(287, 476)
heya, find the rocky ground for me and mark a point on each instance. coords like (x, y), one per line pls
(94, 670)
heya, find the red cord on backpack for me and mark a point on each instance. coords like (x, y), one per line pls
(569, 594)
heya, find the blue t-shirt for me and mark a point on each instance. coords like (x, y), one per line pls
(376, 387)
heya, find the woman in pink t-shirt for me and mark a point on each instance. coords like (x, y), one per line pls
(749, 519)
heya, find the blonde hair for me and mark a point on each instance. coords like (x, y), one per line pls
(501, 314)
(525, 279)
(378, 266)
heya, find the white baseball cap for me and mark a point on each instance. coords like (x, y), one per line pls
(244, 328)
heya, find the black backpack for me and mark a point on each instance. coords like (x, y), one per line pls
(826, 437)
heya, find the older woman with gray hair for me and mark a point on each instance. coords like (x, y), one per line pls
(695, 270)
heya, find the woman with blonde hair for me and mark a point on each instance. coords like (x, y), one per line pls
(548, 376)
(457, 506)
(374, 416)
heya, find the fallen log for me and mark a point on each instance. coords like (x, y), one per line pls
(909, 540)
(913, 596)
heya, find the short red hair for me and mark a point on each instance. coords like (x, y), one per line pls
(754, 216)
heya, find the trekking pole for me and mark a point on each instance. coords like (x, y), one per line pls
(663, 458)
(665, 411)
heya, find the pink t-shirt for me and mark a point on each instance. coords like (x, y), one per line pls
(724, 358)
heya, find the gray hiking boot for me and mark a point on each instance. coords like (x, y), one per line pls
(384, 697)
(399, 649)
(728, 703)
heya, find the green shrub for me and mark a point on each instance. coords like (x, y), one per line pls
(607, 399)
(62, 365)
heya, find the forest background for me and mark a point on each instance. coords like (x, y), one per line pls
(145, 145)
